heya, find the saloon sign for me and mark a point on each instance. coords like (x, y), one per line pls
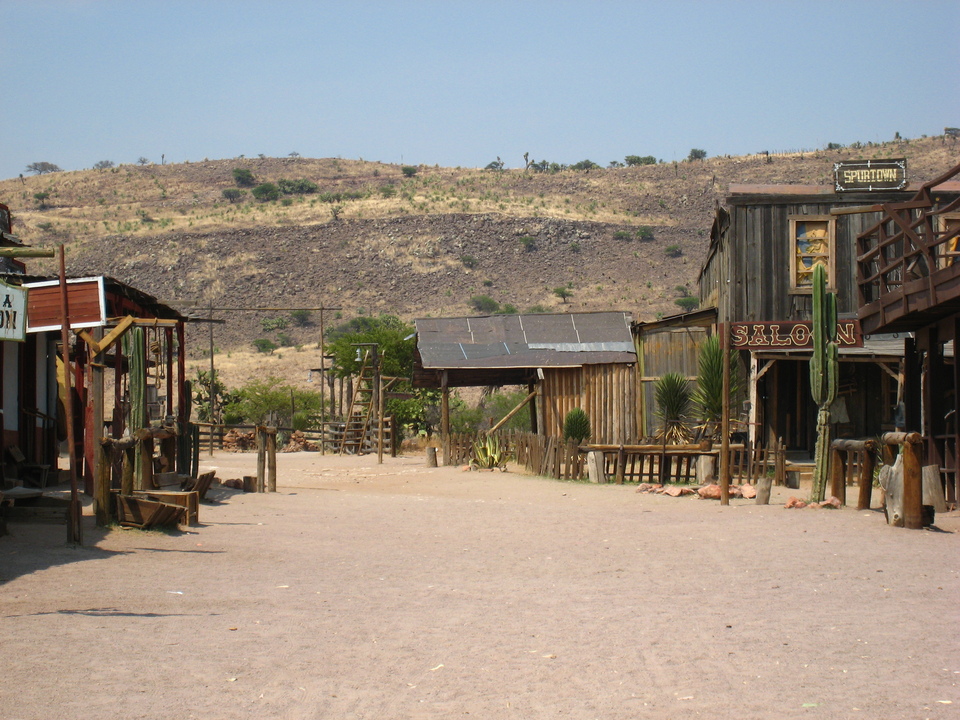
(13, 312)
(789, 335)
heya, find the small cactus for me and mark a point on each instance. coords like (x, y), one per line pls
(576, 426)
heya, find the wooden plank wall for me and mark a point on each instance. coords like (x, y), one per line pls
(748, 278)
(664, 351)
(607, 393)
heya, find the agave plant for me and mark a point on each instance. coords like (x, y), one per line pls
(488, 453)
(673, 396)
(708, 396)
(576, 426)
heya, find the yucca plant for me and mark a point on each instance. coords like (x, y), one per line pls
(708, 395)
(488, 453)
(673, 396)
(576, 426)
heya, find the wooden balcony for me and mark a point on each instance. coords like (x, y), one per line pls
(908, 264)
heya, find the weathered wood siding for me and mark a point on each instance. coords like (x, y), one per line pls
(660, 352)
(607, 393)
(747, 277)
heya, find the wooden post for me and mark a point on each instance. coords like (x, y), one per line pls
(75, 514)
(725, 419)
(838, 474)
(271, 433)
(445, 418)
(126, 475)
(912, 493)
(101, 485)
(621, 464)
(261, 459)
(866, 476)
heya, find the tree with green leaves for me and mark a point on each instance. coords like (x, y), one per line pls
(42, 168)
(243, 177)
(563, 292)
(708, 395)
(697, 154)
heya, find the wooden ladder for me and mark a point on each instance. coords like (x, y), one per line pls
(357, 422)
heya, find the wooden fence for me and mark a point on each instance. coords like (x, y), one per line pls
(555, 458)
(327, 437)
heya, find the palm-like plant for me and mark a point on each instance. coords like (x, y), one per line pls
(708, 396)
(673, 396)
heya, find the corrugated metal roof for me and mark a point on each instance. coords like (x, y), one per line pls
(525, 341)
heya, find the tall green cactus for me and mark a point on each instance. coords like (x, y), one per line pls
(824, 373)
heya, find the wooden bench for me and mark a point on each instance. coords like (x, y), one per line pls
(144, 513)
(34, 473)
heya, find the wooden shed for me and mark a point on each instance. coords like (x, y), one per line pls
(570, 360)
(764, 244)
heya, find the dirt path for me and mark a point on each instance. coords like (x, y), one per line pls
(400, 591)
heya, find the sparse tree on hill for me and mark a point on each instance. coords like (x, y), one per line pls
(243, 177)
(142, 161)
(563, 292)
(42, 168)
(697, 154)
(103, 165)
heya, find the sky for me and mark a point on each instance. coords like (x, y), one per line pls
(457, 83)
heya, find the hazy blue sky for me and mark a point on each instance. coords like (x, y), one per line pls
(460, 83)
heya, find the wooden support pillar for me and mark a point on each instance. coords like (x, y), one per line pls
(445, 418)
(622, 464)
(866, 477)
(271, 433)
(912, 484)
(261, 459)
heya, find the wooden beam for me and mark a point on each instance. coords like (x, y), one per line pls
(506, 418)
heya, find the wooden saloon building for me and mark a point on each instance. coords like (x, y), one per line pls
(571, 360)
(764, 244)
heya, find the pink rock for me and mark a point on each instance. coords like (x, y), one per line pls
(748, 491)
(709, 492)
(236, 484)
(832, 502)
(795, 502)
(673, 491)
(649, 487)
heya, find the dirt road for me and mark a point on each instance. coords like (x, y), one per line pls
(400, 591)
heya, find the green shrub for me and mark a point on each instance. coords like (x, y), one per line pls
(673, 251)
(469, 261)
(484, 304)
(233, 194)
(563, 292)
(623, 235)
(585, 165)
(687, 303)
(408, 170)
(297, 187)
(302, 318)
(243, 177)
(537, 310)
(645, 233)
(529, 243)
(269, 324)
(388, 191)
(697, 154)
(266, 192)
(575, 247)
(265, 345)
(632, 160)
(507, 309)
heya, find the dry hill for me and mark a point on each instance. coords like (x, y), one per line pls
(372, 239)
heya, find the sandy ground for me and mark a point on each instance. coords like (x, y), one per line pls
(400, 591)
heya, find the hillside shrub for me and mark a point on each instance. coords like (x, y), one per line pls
(266, 192)
(585, 165)
(233, 194)
(301, 318)
(469, 261)
(265, 345)
(103, 165)
(408, 170)
(623, 235)
(687, 303)
(633, 160)
(484, 304)
(645, 233)
(697, 154)
(297, 187)
(673, 251)
(243, 177)
(529, 244)
(563, 292)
